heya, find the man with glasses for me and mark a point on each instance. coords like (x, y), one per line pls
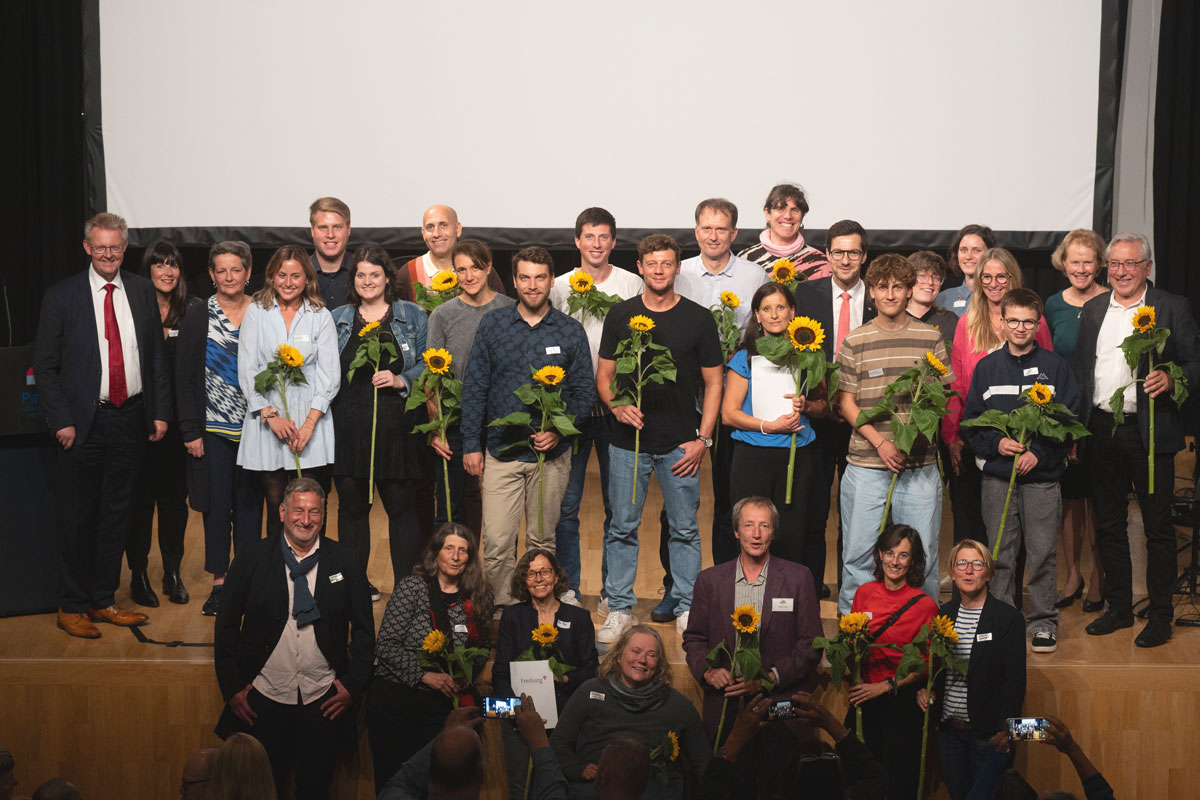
(1000, 382)
(99, 365)
(1117, 454)
(839, 302)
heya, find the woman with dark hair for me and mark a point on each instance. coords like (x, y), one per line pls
(536, 586)
(399, 452)
(163, 480)
(783, 237)
(898, 609)
(288, 310)
(963, 259)
(763, 436)
(407, 703)
(631, 695)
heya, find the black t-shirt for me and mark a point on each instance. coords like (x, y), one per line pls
(670, 411)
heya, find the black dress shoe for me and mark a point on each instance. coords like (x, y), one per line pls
(140, 591)
(1092, 606)
(1109, 622)
(823, 593)
(1156, 632)
(209, 609)
(1067, 600)
(173, 587)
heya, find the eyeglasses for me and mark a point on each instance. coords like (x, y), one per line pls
(1021, 324)
(853, 255)
(534, 574)
(1125, 265)
(963, 564)
(894, 556)
(115, 249)
(986, 280)
(928, 277)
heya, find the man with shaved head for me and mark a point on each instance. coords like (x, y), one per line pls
(441, 230)
(197, 771)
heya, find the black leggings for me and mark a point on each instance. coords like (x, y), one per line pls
(275, 482)
(399, 498)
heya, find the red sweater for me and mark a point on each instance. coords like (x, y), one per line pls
(877, 599)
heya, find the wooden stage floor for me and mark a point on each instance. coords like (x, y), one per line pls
(119, 717)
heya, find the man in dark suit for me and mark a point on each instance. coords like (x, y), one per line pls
(294, 642)
(1117, 455)
(840, 302)
(781, 592)
(99, 366)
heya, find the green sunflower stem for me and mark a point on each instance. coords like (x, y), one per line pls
(637, 433)
(787, 498)
(528, 776)
(541, 481)
(720, 725)
(925, 729)
(858, 730)
(887, 506)
(446, 483)
(1012, 479)
(1150, 456)
(288, 414)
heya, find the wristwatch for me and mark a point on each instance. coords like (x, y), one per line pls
(724, 755)
(708, 443)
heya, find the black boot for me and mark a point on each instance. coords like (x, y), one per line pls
(173, 587)
(140, 591)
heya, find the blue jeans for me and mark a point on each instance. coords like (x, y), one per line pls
(681, 500)
(962, 755)
(592, 431)
(916, 501)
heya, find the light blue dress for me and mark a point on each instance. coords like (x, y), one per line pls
(314, 335)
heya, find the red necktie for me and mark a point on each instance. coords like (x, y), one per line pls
(843, 321)
(116, 357)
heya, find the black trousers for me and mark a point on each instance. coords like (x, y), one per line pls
(299, 741)
(466, 504)
(274, 484)
(1117, 461)
(354, 520)
(724, 545)
(235, 504)
(966, 489)
(97, 504)
(832, 444)
(892, 732)
(163, 483)
(400, 721)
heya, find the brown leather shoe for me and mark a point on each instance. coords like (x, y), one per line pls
(115, 615)
(77, 625)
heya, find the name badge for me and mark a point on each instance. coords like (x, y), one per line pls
(960, 303)
(404, 346)
(870, 615)
(302, 337)
(596, 696)
(335, 577)
(171, 334)
(565, 624)
(783, 604)
(460, 628)
(875, 373)
(553, 350)
(983, 637)
(1030, 371)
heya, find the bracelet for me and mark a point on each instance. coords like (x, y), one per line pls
(761, 423)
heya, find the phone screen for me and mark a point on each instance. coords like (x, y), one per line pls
(781, 709)
(1027, 729)
(500, 707)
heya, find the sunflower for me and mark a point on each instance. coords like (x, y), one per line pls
(783, 270)
(730, 300)
(1040, 393)
(853, 623)
(545, 634)
(437, 360)
(290, 356)
(1143, 319)
(745, 619)
(368, 329)
(674, 751)
(581, 282)
(944, 627)
(444, 281)
(805, 333)
(937, 364)
(641, 322)
(550, 376)
(435, 640)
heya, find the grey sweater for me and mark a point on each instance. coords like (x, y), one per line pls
(452, 326)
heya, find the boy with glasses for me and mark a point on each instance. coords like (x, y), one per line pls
(1035, 508)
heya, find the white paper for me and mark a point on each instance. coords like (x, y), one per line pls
(768, 384)
(535, 679)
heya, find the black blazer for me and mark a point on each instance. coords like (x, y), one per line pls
(577, 642)
(66, 356)
(996, 674)
(191, 399)
(1172, 312)
(254, 610)
(814, 299)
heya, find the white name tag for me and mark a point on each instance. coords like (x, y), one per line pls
(983, 637)
(595, 695)
(875, 373)
(783, 604)
(404, 346)
(460, 628)
(1031, 371)
(335, 577)
(553, 350)
(565, 624)
(870, 615)
(960, 303)
(171, 334)
(301, 337)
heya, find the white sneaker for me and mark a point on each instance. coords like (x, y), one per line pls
(681, 622)
(602, 608)
(569, 598)
(616, 624)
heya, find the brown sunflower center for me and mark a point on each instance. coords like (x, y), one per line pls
(805, 336)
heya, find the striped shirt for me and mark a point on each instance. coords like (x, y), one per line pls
(810, 262)
(872, 359)
(954, 704)
(225, 405)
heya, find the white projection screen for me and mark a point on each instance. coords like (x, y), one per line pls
(905, 116)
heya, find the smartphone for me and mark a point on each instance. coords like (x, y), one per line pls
(501, 707)
(1027, 729)
(781, 709)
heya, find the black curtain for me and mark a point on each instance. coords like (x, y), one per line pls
(1177, 150)
(45, 207)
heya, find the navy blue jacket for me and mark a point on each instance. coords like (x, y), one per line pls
(998, 381)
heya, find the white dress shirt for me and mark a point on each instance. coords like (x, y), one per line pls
(129, 343)
(739, 276)
(1111, 370)
(858, 296)
(297, 664)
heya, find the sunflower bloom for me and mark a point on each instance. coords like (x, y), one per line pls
(444, 281)
(368, 329)
(435, 640)
(944, 626)
(1040, 393)
(290, 356)
(783, 270)
(545, 634)
(674, 754)
(853, 623)
(745, 619)
(437, 360)
(640, 322)
(1143, 319)
(937, 364)
(730, 300)
(550, 375)
(805, 334)
(581, 282)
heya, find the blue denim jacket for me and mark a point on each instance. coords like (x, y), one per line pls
(408, 326)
